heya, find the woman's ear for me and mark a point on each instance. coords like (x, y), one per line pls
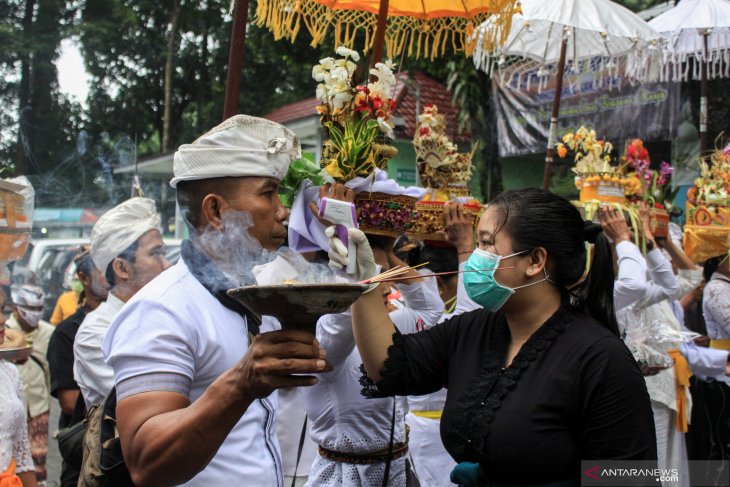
(212, 210)
(538, 261)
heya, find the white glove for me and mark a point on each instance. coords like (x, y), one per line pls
(365, 267)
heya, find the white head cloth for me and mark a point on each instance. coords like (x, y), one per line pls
(27, 295)
(240, 146)
(120, 227)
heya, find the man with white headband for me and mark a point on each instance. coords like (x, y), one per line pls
(27, 318)
(194, 377)
(127, 246)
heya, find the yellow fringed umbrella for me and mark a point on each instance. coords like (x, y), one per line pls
(423, 27)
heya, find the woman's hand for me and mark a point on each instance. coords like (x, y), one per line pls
(459, 229)
(613, 223)
(645, 216)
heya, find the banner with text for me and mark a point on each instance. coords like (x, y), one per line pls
(612, 105)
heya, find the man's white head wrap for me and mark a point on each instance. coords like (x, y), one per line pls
(240, 146)
(120, 227)
(27, 295)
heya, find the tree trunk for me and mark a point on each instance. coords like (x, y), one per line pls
(169, 67)
(21, 161)
(204, 89)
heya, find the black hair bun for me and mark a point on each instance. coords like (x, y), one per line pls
(591, 231)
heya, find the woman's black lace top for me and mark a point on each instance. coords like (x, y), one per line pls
(572, 392)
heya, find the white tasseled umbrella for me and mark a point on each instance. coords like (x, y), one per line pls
(698, 46)
(553, 32)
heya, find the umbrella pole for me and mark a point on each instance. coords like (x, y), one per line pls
(379, 39)
(552, 134)
(235, 58)
(703, 100)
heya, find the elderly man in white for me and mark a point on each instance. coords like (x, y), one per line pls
(194, 377)
(127, 246)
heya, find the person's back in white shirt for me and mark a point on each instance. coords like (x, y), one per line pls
(94, 377)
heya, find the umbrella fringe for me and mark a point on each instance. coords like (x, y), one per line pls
(430, 37)
(685, 66)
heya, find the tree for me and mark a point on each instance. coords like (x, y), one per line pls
(470, 89)
(36, 118)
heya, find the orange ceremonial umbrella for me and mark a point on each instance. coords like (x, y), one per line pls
(424, 27)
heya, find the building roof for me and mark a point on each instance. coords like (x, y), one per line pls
(413, 91)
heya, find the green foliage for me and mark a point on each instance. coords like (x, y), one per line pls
(353, 148)
(299, 171)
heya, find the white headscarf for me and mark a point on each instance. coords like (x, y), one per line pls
(27, 295)
(120, 227)
(240, 146)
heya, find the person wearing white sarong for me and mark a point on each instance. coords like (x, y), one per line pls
(651, 329)
(347, 426)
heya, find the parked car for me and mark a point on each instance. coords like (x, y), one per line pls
(49, 264)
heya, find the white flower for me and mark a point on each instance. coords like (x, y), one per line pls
(340, 73)
(384, 72)
(318, 72)
(385, 127)
(341, 99)
(345, 52)
(321, 92)
(327, 63)
(351, 67)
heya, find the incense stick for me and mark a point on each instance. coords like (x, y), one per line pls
(389, 278)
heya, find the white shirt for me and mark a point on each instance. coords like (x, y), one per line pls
(716, 306)
(716, 309)
(345, 421)
(630, 283)
(174, 325)
(94, 377)
(13, 426)
(652, 328)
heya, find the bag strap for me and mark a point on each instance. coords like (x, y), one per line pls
(79, 410)
(299, 451)
(386, 474)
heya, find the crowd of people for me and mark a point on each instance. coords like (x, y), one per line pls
(536, 338)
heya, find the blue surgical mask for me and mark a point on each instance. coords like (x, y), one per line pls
(480, 284)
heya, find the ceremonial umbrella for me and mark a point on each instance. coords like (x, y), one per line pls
(698, 34)
(425, 27)
(553, 32)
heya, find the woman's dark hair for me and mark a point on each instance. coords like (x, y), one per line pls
(129, 255)
(711, 266)
(537, 218)
(440, 259)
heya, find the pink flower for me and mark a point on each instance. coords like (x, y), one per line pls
(665, 172)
